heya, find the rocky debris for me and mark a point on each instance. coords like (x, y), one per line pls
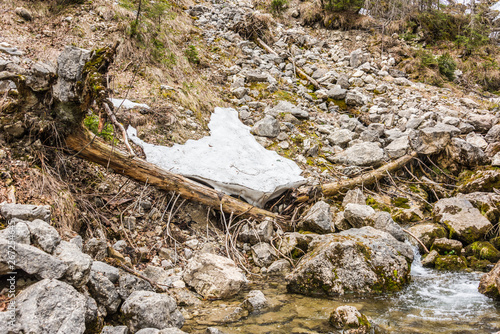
(490, 283)
(466, 154)
(78, 264)
(463, 221)
(263, 254)
(51, 306)
(44, 235)
(25, 212)
(96, 248)
(447, 246)
(432, 140)
(349, 320)
(482, 180)
(341, 137)
(229, 163)
(214, 276)
(383, 221)
(426, 233)
(487, 203)
(363, 215)
(279, 268)
(104, 292)
(354, 196)
(398, 147)
(127, 284)
(146, 309)
(21, 233)
(110, 272)
(362, 154)
(267, 127)
(115, 330)
(31, 260)
(357, 214)
(362, 260)
(255, 302)
(263, 232)
(288, 108)
(319, 218)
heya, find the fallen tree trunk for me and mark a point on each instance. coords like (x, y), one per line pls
(94, 149)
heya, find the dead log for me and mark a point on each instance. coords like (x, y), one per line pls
(298, 69)
(93, 149)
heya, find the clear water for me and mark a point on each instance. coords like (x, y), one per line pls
(434, 302)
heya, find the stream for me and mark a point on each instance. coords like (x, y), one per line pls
(434, 302)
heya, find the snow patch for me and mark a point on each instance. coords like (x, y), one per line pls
(127, 104)
(230, 160)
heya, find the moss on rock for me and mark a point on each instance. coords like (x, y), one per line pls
(450, 262)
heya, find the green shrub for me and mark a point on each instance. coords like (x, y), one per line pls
(427, 59)
(278, 6)
(192, 54)
(343, 5)
(447, 66)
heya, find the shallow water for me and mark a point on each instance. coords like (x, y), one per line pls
(434, 302)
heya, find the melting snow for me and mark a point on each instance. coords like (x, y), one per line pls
(127, 104)
(230, 160)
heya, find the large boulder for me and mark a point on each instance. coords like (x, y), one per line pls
(432, 140)
(104, 292)
(362, 154)
(466, 154)
(463, 221)
(50, 306)
(427, 233)
(267, 127)
(147, 309)
(363, 215)
(490, 283)
(44, 235)
(17, 231)
(487, 203)
(362, 260)
(31, 260)
(214, 276)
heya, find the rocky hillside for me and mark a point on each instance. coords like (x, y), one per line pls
(96, 238)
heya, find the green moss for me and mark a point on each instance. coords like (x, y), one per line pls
(400, 202)
(339, 103)
(483, 250)
(450, 262)
(376, 205)
(479, 265)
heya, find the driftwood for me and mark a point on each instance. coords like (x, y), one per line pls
(94, 149)
(298, 69)
(418, 240)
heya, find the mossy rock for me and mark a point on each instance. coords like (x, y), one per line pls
(495, 242)
(450, 262)
(479, 265)
(483, 250)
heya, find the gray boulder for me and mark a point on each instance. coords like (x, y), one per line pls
(446, 246)
(487, 203)
(110, 272)
(146, 309)
(279, 268)
(362, 154)
(17, 231)
(31, 260)
(254, 76)
(44, 235)
(319, 218)
(383, 221)
(482, 123)
(96, 248)
(490, 283)
(263, 254)
(493, 134)
(466, 154)
(337, 93)
(362, 260)
(70, 65)
(354, 196)
(432, 140)
(341, 137)
(104, 292)
(214, 276)
(398, 148)
(173, 330)
(463, 221)
(427, 233)
(78, 263)
(255, 302)
(50, 306)
(255, 234)
(358, 214)
(267, 127)
(288, 108)
(25, 212)
(41, 76)
(354, 98)
(127, 284)
(115, 330)
(358, 57)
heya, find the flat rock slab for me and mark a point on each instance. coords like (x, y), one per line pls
(230, 160)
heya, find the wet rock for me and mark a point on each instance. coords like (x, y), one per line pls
(96, 248)
(363, 154)
(319, 218)
(427, 233)
(104, 292)
(450, 262)
(447, 246)
(279, 268)
(31, 260)
(463, 221)
(483, 250)
(115, 330)
(44, 235)
(25, 212)
(263, 254)
(255, 302)
(17, 229)
(51, 306)
(466, 154)
(146, 309)
(127, 284)
(362, 260)
(490, 283)
(429, 259)
(214, 276)
(354, 196)
(349, 320)
(78, 264)
(432, 140)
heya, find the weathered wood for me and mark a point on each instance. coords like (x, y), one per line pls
(366, 179)
(92, 148)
